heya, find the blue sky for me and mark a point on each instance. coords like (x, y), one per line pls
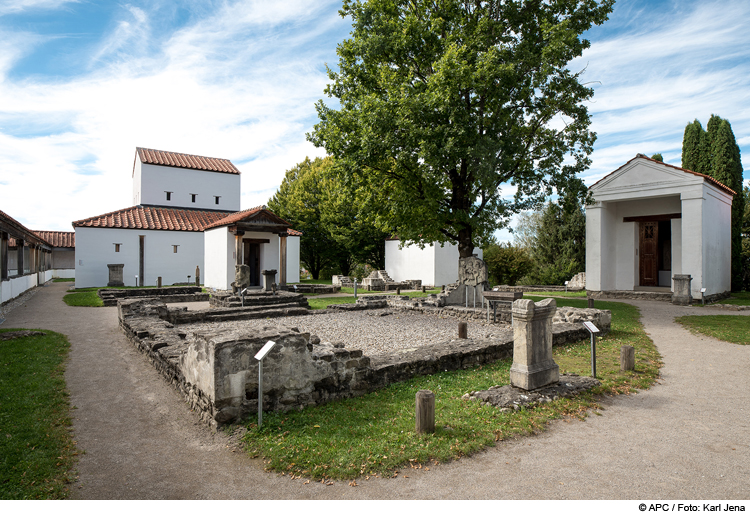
(82, 83)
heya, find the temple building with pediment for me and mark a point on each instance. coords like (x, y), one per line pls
(652, 221)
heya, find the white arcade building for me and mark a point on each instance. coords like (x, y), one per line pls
(185, 214)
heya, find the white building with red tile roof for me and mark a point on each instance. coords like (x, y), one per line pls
(652, 221)
(177, 199)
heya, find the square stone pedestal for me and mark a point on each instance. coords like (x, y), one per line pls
(115, 275)
(681, 293)
(533, 366)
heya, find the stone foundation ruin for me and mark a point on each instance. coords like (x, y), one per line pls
(216, 372)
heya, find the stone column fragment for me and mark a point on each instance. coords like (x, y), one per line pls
(533, 366)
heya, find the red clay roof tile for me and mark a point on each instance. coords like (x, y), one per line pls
(185, 161)
(155, 218)
(60, 239)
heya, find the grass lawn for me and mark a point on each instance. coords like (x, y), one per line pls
(83, 297)
(63, 280)
(737, 298)
(563, 293)
(319, 304)
(374, 434)
(35, 440)
(731, 328)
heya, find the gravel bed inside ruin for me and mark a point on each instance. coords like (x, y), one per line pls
(375, 332)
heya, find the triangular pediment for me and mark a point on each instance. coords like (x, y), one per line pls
(642, 174)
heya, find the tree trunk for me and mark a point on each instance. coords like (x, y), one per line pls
(465, 243)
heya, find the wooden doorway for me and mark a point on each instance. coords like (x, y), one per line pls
(648, 262)
(251, 254)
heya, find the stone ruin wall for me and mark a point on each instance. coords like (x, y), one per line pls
(218, 376)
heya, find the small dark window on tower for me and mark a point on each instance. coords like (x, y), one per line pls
(175, 248)
(217, 199)
(117, 248)
(192, 197)
(169, 195)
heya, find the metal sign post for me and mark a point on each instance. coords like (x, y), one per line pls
(566, 286)
(703, 298)
(355, 288)
(593, 330)
(259, 356)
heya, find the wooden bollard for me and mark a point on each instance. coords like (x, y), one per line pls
(197, 276)
(425, 412)
(423, 289)
(158, 282)
(627, 358)
(398, 290)
(443, 288)
(591, 302)
(463, 330)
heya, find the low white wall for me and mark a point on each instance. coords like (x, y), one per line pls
(12, 288)
(95, 248)
(63, 273)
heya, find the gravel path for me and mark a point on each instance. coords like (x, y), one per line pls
(375, 332)
(686, 438)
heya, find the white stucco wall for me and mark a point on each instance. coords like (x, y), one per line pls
(433, 265)
(151, 182)
(95, 248)
(292, 259)
(219, 244)
(410, 262)
(717, 235)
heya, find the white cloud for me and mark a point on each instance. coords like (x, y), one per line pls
(237, 85)
(17, 6)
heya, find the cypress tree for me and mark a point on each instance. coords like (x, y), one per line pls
(691, 146)
(715, 152)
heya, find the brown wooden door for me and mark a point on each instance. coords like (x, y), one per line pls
(251, 252)
(649, 253)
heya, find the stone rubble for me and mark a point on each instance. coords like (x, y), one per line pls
(508, 397)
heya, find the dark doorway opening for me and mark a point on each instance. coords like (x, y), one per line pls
(251, 254)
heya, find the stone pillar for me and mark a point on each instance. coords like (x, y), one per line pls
(681, 292)
(282, 260)
(533, 366)
(197, 275)
(3, 256)
(115, 274)
(269, 277)
(238, 257)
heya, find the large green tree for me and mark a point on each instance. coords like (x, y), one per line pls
(715, 152)
(300, 201)
(440, 102)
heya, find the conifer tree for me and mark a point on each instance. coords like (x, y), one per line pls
(715, 152)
